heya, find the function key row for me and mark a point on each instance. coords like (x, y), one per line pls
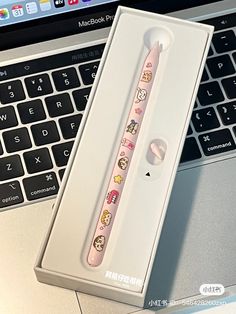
(51, 62)
(40, 85)
(222, 22)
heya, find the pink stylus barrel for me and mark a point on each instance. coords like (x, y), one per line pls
(123, 159)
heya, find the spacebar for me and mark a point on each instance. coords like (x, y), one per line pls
(39, 186)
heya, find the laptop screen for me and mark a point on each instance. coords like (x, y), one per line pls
(12, 11)
(24, 22)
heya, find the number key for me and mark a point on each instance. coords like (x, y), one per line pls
(38, 85)
(11, 92)
(224, 41)
(66, 79)
(88, 72)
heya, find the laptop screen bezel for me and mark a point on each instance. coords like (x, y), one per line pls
(65, 24)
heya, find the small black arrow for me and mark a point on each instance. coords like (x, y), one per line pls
(148, 174)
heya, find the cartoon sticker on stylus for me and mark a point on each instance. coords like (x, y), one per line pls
(112, 197)
(99, 243)
(141, 95)
(118, 179)
(132, 127)
(123, 163)
(138, 111)
(106, 218)
(147, 76)
(127, 143)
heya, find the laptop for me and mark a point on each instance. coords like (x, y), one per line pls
(49, 55)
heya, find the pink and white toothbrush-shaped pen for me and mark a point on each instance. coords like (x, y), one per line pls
(123, 159)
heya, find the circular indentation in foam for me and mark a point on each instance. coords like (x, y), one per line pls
(158, 34)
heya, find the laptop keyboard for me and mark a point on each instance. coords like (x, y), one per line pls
(42, 104)
(212, 130)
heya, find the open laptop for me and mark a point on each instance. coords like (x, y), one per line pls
(50, 51)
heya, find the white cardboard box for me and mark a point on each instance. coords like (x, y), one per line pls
(124, 273)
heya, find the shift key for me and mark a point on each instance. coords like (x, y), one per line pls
(10, 194)
(42, 185)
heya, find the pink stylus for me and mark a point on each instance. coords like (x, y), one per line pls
(123, 159)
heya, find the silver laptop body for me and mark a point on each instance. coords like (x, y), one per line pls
(198, 239)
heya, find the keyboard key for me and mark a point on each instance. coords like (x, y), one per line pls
(59, 105)
(65, 79)
(7, 117)
(41, 186)
(227, 113)
(10, 194)
(210, 52)
(31, 111)
(234, 56)
(52, 62)
(88, 72)
(62, 152)
(220, 66)
(69, 125)
(205, 119)
(81, 98)
(11, 92)
(224, 41)
(222, 22)
(191, 150)
(10, 167)
(45, 133)
(205, 76)
(16, 140)
(217, 142)
(38, 85)
(61, 173)
(38, 160)
(210, 93)
(229, 85)
(1, 149)
(190, 131)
